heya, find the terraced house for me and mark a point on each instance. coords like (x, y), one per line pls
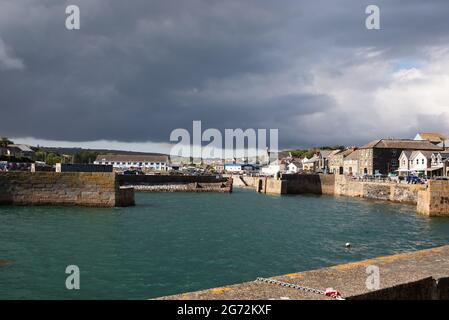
(423, 163)
(336, 160)
(382, 156)
(134, 162)
(351, 163)
(440, 164)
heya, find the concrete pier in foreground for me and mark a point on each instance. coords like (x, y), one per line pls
(418, 275)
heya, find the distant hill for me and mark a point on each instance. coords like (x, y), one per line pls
(72, 151)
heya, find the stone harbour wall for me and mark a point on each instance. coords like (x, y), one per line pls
(274, 186)
(395, 192)
(132, 179)
(430, 200)
(166, 183)
(434, 201)
(310, 183)
(346, 186)
(225, 187)
(270, 186)
(98, 189)
(240, 181)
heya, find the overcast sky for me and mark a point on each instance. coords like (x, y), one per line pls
(138, 69)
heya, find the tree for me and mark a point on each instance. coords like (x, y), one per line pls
(85, 157)
(40, 155)
(303, 153)
(4, 142)
(53, 158)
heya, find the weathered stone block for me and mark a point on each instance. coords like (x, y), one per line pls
(71, 188)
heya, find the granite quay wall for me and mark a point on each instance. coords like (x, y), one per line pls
(240, 181)
(310, 183)
(68, 167)
(125, 197)
(98, 189)
(422, 274)
(346, 186)
(270, 185)
(434, 201)
(395, 192)
(273, 186)
(430, 200)
(167, 183)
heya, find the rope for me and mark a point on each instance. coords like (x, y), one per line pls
(328, 293)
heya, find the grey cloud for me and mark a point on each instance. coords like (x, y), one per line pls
(7, 60)
(138, 69)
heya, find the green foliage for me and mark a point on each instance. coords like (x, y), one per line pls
(85, 157)
(210, 169)
(332, 147)
(40, 155)
(53, 158)
(301, 153)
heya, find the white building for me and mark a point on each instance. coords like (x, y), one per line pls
(233, 168)
(238, 167)
(273, 168)
(135, 162)
(420, 162)
(404, 163)
(294, 167)
(440, 164)
(18, 150)
(416, 162)
(311, 165)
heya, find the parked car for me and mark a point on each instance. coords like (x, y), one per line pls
(393, 178)
(414, 180)
(131, 172)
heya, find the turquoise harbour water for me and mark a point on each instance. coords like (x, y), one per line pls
(176, 242)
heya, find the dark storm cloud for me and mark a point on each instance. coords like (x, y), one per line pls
(138, 69)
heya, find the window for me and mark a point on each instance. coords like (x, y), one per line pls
(422, 161)
(417, 161)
